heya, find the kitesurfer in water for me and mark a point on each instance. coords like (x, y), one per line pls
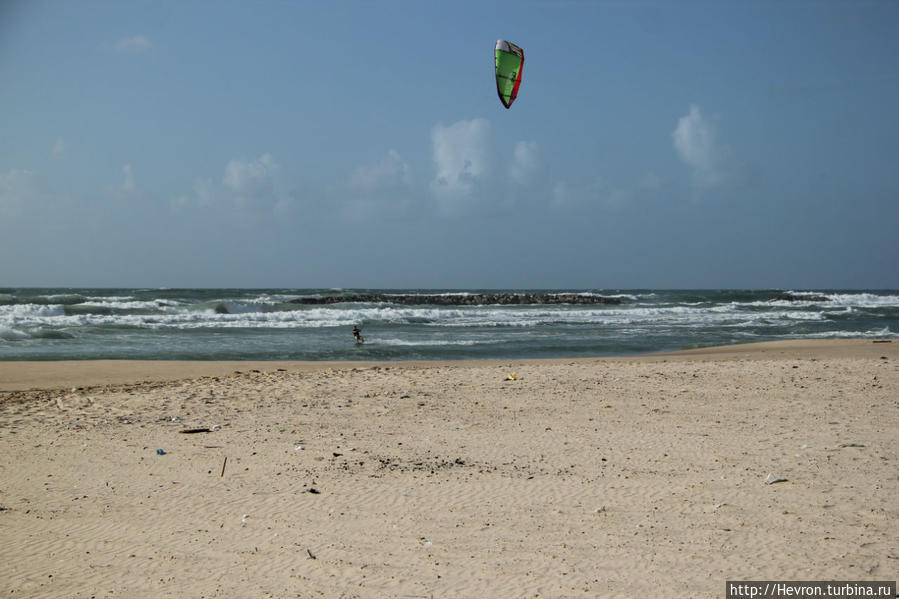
(357, 335)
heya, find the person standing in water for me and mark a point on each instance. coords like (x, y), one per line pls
(357, 335)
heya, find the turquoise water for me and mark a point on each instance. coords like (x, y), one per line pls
(262, 324)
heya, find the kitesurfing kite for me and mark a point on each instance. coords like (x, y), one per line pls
(509, 63)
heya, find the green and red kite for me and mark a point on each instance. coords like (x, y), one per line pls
(509, 63)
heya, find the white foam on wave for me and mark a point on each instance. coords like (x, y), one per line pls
(798, 315)
(29, 314)
(121, 303)
(864, 300)
(884, 333)
(109, 298)
(843, 299)
(435, 342)
(265, 299)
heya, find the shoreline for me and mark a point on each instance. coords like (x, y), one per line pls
(21, 376)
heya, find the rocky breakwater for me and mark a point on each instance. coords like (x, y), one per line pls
(470, 299)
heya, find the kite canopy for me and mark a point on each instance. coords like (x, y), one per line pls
(509, 63)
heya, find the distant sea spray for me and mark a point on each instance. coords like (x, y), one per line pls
(314, 324)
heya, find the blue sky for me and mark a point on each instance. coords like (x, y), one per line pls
(362, 144)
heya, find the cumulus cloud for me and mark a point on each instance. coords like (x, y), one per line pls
(204, 192)
(524, 162)
(391, 173)
(461, 156)
(17, 189)
(246, 185)
(243, 175)
(128, 184)
(697, 144)
(202, 195)
(562, 195)
(470, 170)
(597, 192)
(127, 190)
(250, 182)
(380, 188)
(650, 181)
(138, 43)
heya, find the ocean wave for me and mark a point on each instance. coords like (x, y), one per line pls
(111, 309)
(10, 334)
(622, 296)
(213, 306)
(218, 313)
(47, 333)
(63, 299)
(129, 303)
(30, 312)
(110, 298)
(263, 324)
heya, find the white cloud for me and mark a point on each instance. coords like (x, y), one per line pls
(250, 180)
(470, 171)
(138, 43)
(597, 193)
(391, 173)
(695, 140)
(128, 189)
(17, 189)
(204, 192)
(250, 175)
(246, 185)
(461, 156)
(650, 182)
(128, 184)
(202, 195)
(562, 195)
(380, 188)
(524, 162)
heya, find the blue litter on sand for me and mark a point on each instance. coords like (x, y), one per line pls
(160, 452)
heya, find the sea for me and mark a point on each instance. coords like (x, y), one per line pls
(263, 324)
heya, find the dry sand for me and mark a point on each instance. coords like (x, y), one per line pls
(582, 478)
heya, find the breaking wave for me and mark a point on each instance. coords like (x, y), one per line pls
(264, 324)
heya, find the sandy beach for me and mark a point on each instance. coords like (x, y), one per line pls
(623, 477)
